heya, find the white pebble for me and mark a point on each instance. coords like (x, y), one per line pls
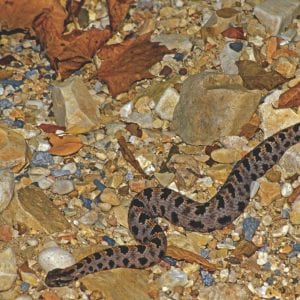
(43, 146)
(281, 231)
(224, 275)
(55, 257)
(286, 189)
(262, 258)
(126, 110)
(32, 242)
(254, 186)
(45, 183)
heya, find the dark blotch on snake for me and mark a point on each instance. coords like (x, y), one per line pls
(111, 263)
(241, 206)
(156, 241)
(138, 203)
(148, 193)
(109, 252)
(224, 219)
(134, 230)
(268, 147)
(123, 249)
(165, 193)
(125, 262)
(142, 218)
(156, 229)
(143, 260)
(196, 224)
(178, 201)
(163, 210)
(174, 217)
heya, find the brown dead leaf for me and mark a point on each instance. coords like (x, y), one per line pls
(129, 61)
(134, 129)
(129, 157)
(6, 60)
(70, 52)
(290, 98)
(255, 77)
(64, 145)
(51, 128)
(188, 256)
(234, 33)
(117, 11)
(21, 13)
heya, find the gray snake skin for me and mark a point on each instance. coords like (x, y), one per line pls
(218, 212)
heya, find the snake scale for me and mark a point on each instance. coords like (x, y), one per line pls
(151, 203)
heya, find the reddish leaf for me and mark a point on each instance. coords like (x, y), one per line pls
(51, 128)
(290, 98)
(234, 33)
(125, 63)
(21, 13)
(65, 145)
(69, 52)
(117, 11)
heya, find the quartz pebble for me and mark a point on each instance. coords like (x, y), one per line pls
(55, 257)
(174, 277)
(62, 187)
(286, 189)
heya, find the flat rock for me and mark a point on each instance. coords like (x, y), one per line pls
(8, 269)
(290, 161)
(174, 41)
(14, 153)
(213, 105)
(268, 192)
(7, 185)
(33, 208)
(74, 107)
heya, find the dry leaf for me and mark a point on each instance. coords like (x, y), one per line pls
(21, 13)
(129, 157)
(249, 129)
(70, 52)
(51, 128)
(188, 256)
(290, 98)
(6, 60)
(255, 77)
(234, 33)
(64, 145)
(127, 62)
(134, 129)
(117, 11)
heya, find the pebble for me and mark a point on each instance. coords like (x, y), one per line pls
(286, 189)
(62, 187)
(126, 110)
(166, 104)
(254, 187)
(250, 225)
(110, 242)
(71, 167)
(228, 58)
(42, 159)
(5, 104)
(173, 277)
(55, 257)
(60, 172)
(89, 218)
(105, 206)
(262, 258)
(45, 183)
(109, 196)
(206, 277)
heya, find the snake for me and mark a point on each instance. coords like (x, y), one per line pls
(221, 210)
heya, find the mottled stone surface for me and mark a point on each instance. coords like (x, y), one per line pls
(7, 185)
(8, 269)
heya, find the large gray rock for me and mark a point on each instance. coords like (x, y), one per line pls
(213, 105)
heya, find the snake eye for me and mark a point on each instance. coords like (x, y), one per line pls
(58, 277)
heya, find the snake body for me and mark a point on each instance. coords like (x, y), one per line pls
(151, 203)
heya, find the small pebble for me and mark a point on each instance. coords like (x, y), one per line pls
(55, 257)
(71, 167)
(5, 103)
(24, 286)
(100, 186)
(87, 203)
(45, 183)
(62, 187)
(105, 206)
(42, 159)
(111, 242)
(170, 260)
(207, 278)
(173, 277)
(254, 187)
(262, 258)
(179, 56)
(32, 242)
(236, 46)
(250, 225)
(286, 189)
(89, 218)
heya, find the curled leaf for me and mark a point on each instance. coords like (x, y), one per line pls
(64, 145)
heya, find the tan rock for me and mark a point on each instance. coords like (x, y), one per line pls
(32, 207)
(14, 153)
(268, 192)
(213, 105)
(7, 184)
(74, 107)
(219, 172)
(226, 156)
(109, 196)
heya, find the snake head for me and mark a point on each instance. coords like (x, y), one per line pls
(59, 277)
